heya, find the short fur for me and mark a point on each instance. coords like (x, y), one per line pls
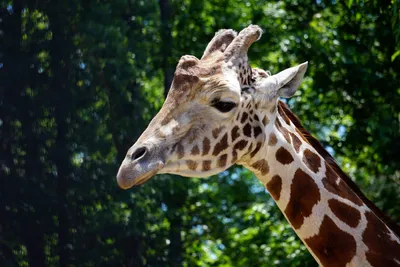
(332, 163)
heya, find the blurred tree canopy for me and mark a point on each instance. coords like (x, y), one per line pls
(80, 80)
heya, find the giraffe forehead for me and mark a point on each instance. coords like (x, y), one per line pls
(191, 70)
(201, 80)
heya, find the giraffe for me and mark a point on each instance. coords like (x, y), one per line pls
(220, 111)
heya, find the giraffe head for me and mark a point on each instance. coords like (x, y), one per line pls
(211, 118)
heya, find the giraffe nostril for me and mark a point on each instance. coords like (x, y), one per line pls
(139, 153)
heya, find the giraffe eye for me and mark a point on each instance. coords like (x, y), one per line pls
(223, 106)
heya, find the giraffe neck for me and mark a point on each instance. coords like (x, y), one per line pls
(333, 220)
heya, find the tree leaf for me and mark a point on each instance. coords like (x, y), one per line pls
(395, 55)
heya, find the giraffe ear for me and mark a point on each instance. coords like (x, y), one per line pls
(289, 80)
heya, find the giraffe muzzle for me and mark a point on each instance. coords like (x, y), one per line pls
(139, 165)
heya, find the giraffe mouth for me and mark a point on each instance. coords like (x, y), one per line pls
(130, 175)
(145, 178)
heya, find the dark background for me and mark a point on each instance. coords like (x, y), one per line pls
(80, 80)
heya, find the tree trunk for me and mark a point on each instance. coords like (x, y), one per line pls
(60, 63)
(167, 44)
(35, 247)
(16, 108)
(7, 257)
(176, 245)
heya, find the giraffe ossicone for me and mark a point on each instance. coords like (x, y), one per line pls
(220, 111)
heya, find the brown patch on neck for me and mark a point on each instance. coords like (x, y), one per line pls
(283, 130)
(335, 167)
(265, 120)
(254, 152)
(272, 139)
(257, 131)
(382, 250)
(262, 166)
(304, 194)
(283, 115)
(274, 187)
(332, 246)
(272, 110)
(344, 212)
(341, 189)
(283, 156)
(240, 145)
(296, 142)
(312, 160)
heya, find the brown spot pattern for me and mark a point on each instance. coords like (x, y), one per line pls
(262, 166)
(304, 194)
(257, 131)
(221, 145)
(234, 156)
(383, 251)
(180, 151)
(312, 160)
(265, 120)
(254, 152)
(283, 156)
(250, 148)
(244, 117)
(285, 118)
(222, 160)
(296, 142)
(283, 130)
(195, 150)
(192, 135)
(274, 187)
(206, 146)
(192, 164)
(332, 246)
(240, 145)
(286, 134)
(272, 139)
(235, 133)
(341, 189)
(206, 166)
(344, 212)
(247, 130)
(216, 132)
(302, 136)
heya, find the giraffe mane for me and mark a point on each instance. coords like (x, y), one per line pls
(282, 107)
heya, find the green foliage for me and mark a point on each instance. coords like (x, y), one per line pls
(80, 80)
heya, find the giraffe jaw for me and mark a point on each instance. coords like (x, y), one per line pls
(130, 175)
